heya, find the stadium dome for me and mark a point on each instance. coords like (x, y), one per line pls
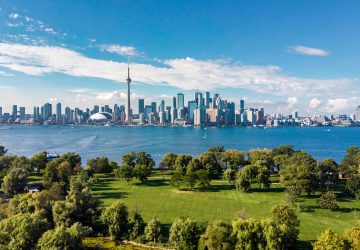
(101, 117)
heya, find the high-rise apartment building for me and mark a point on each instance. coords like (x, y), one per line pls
(181, 101)
(141, 106)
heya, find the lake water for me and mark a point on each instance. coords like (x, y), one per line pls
(92, 141)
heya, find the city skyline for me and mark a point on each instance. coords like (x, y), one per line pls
(303, 65)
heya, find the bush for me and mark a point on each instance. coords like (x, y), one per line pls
(329, 240)
(328, 201)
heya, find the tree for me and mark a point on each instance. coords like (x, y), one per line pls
(153, 230)
(142, 171)
(64, 238)
(74, 160)
(129, 159)
(261, 155)
(15, 181)
(353, 185)
(292, 193)
(282, 150)
(203, 179)
(286, 218)
(5, 164)
(169, 160)
(329, 240)
(144, 158)
(116, 218)
(126, 173)
(38, 161)
(300, 172)
(79, 206)
(218, 236)
(351, 161)
(184, 234)
(234, 159)
(229, 175)
(328, 173)
(210, 162)
(353, 236)
(22, 162)
(218, 152)
(263, 177)
(137, 226)
(176, 179)
(194, 165)
(100, 165)
(274, 235)
(328, 200)
(244, 178)
(190, 180)
(182, 162)
(248, 234)
(21, 231)
(3, 150)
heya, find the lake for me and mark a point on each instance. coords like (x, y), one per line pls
(92, 141)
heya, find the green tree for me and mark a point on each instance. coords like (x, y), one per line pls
(286, 218)
(116, 218)
(351, 161)
(137, 226)
(283, 150)
(153, 230)
(142, 172)
(229, 175)
(218, 236)
(210, 162)
(353, 185)
(274, 235)
(74, 160)
(144, 158)
(328, 173)
(125, 172)
(184, 234)
(329, 240)
(261, 155)
(80, 206)
(263, 177)
(176, 179)
(129, 159)
(292, 193)
(15, 181)
(22, 162)
(300, 172)
(21, 231)
(169, 160)
(248, 234)
(203, 179)
(234, 159)
(190, 180)
(38, 161)
(182, 161)
(3, 150)
(194, 165)
(5, 164)
(100, 165)
(244, 178)
(64, 238)
(328, 200)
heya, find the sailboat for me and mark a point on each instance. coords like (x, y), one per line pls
(205, 135)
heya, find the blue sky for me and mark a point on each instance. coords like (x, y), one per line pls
(281, 55)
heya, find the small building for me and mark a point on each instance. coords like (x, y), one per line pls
(33, 189)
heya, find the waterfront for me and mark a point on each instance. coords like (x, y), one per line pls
(92, 141)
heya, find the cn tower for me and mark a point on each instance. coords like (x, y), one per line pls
(128, 109)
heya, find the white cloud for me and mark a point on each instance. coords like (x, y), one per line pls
(338, 105)
(79, 91)
(292, 101)
(185, 73)
(119, 49)
(14, 15)
(314, 103)
(308, 51)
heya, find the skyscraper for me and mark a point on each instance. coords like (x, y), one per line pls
(14, 112)
(207, 99)
(180, 100)
(58, 113)
(174, 102)
(141, 106)
(22, 112)
(0, 112)
(357, 114)
(242, 106)
(128, 108)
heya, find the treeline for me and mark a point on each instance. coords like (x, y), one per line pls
(64, 210)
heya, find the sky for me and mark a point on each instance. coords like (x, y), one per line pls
(280, 55)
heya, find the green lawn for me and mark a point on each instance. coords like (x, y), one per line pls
(157, 198)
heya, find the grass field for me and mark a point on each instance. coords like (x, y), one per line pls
(157, 198)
